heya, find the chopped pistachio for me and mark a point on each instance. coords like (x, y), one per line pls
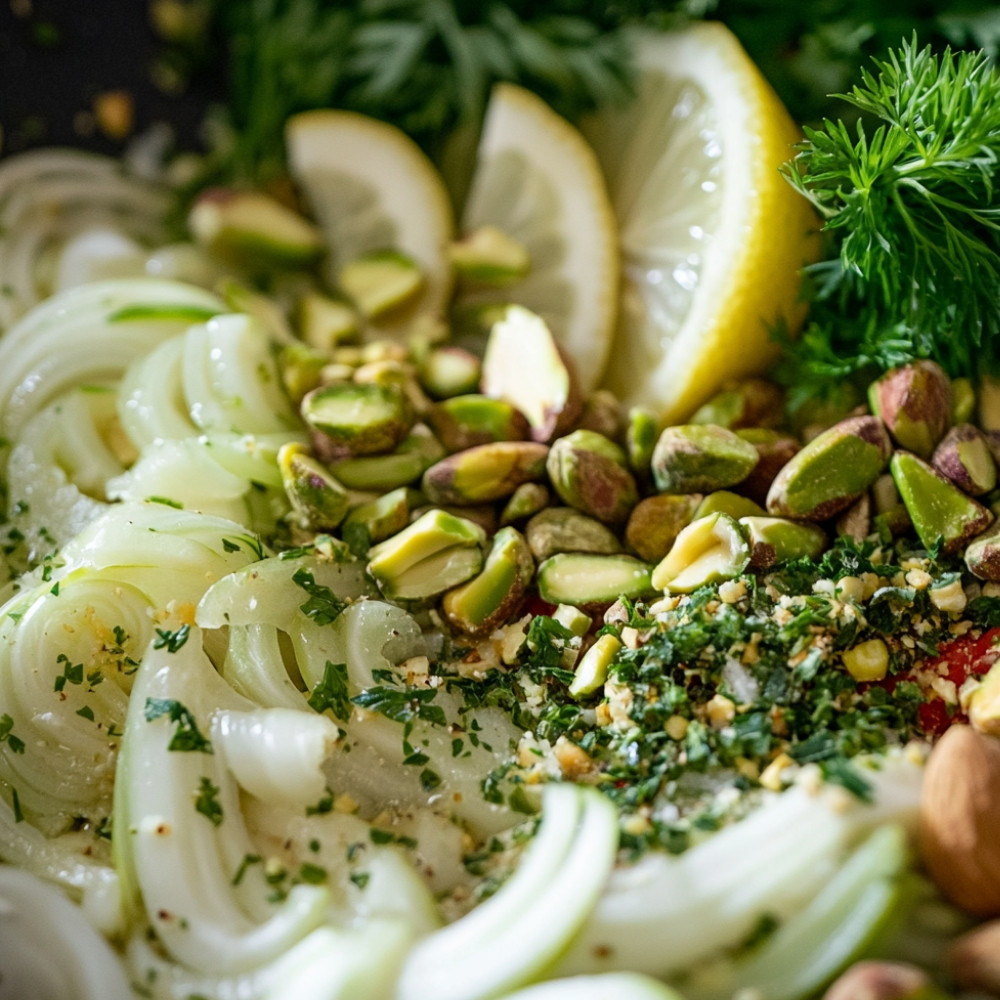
(753, 402)
(489, 256)
(324, 322)
(485, 473)
(526, 501)
(592, 670)
(449, 371)
(831, 471)
(867, 661)
(436, 552)
(573, 618)
(914, 402)
(402, 467)
(494, 595)
(525, 366)
(464, 421)
(590, 472)
(709, 550)
(565, 529)
(381, 282)
(940, 511)
(254, 228)
(318, 500)
(776, 539)
(584, 579)
(964, 457)
(698, 458)
(349, 418)
(382, 516)
(656, 521)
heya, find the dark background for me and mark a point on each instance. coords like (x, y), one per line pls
(58, 56)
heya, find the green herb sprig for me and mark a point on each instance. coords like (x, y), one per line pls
(913, 210)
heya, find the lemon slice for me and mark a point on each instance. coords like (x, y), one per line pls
(371, 188)
(712, 236)
(538, 180)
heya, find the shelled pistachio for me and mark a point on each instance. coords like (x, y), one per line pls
(590, 472)
(565, 529)
(698, 458)
(914, 402)
(709, 550)
(350, 418)
(485, 472)
(656, 521)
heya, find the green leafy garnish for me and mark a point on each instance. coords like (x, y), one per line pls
(187, 737)
(913, 209)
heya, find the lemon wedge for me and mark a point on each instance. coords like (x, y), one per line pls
(712, 236)
(538, 181)
(371, 189)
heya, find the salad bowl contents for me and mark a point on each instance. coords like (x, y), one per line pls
(521, 559)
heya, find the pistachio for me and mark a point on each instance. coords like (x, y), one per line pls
(830, 472)
(641, 431)
(881, 980)
(590, 472)
(656, 521)
(416, 453)
(855, 522)
(253, 227)
(318, 500)
(709, 550)
(602, 412)
(867, 661)
(483, 514)
(381, 282)
(698, 458)
(941, 513)
(381, 517)
(753, 402)
(494, 595)
(449, 371)
(893, 522)
(592, 670)
(984, 703)
(573, 618)
(914, 402)
(776, 539)
(585, 580)
(526, 501)
(963, 401)
(350, 418)
(489, 256)
(974, 960)
(324, 322)
(982, 555)
(302, 369)
(989, 403)
(730, 503)
(525, 366)
(959, 817)
(465, 421)
(774, 450)
(485, 473)
(964, 457)
(565, 529)
(436, 552)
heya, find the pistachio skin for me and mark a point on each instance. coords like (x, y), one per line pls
(964, 457)
(830, 472)
(774, 450)
(590, 473)
(699, 458)
(656, 521)
(982, 555)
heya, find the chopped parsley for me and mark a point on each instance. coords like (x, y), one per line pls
(187, 737)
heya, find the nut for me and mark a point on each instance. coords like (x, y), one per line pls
(586, 580)
(318, 500)
(914, 402)
(526, 501)
(485, 473)
(831, 471)
(982, 555)
(525, 366)
(464, 421)
(417, 452)
(592, 670)
(381, 282)
(774, 450)
(590, 473)
(974, 959)
(877, 980)
(698, 458)
(324, 322)
(941, 513)
(489, 256)
(641, 431)
(959, 819)
(964, 457)
(655, 523)
(449, 371)
(708, 550)
(984, 703)
(565, 529)
(754, 402)
(349, 418)
(776, 539)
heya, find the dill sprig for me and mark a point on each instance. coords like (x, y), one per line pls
(912, 208)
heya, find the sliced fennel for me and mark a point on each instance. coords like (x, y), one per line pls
(48, 951)
(666, 913)
(183, 860)
(517, 934)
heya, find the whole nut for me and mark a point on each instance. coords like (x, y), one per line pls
(959, 819)
(974, 959)
(874, 980)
